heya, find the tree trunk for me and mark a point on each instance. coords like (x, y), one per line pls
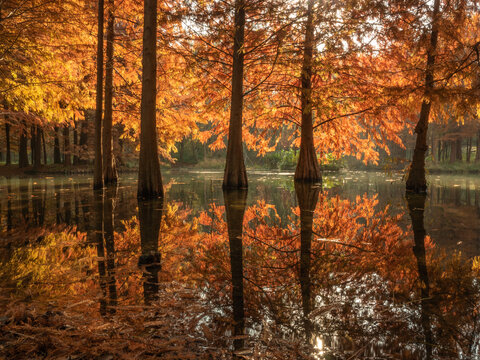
(235, 202)
(57, 157)
(66, 149)
(149, 176)
(36, 146)
(42, 134)
(458, 148)
(477, 155)
(75, 143)
(22, 148)
(308, 169)
(8, 160)
(453, 151)
(235, 175)
(83, 141)
(109, 169)
(416, 180)
(33, 139)
(469, 149)
(439, 150)
(98, 166)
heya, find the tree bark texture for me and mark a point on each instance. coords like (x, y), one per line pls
(416, 180)
(149, 176)
(98, 166)
(308, 169)
(109, 169)
(235, 175)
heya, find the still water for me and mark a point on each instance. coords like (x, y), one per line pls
(349, 269)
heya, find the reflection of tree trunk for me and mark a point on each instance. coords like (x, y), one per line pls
(99, 240)
(149, 176)
(150, 217)
(308, 168)
(307, 199)
(9, 205)
(58, 207)
(24, 201)
(235, 201)
(416, 208)
(8, 159)
(108, 208)
(67, 202)
(235, 174)
(109, 168)
(416, 180)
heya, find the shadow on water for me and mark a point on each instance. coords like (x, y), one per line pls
(235, 203)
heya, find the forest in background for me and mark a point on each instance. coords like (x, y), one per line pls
(266, 83)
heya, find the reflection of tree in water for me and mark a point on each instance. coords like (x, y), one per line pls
(235, 202)
(150, 216)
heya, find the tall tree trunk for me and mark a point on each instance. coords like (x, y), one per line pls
(33, 139)
(98, 166)
(42, 135)
(416, 180)
(37, 146)
(66, 149)
(308, 169)
(235, 175)
(439, 150)
(149, 176)
(458, 147)
(22, 147)
(469, 149)
(235, 202)
(453, 151)
(75, 143)
(8, 160)
(109, 168)
(83, 141)
(477, 155)
(57, 157)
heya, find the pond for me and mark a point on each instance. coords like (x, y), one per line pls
(351, 268)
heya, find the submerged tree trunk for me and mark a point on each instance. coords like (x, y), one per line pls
(149, 176)
(109, 168)
(416, 180)
(235, 175)
(308, 169)
(66, 149)
(98, 167)
(57, 157)
(22, 147)
(8, 160)
(235, 202)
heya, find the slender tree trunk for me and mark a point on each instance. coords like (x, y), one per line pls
(149, 176)
(416, 180)
(469, 149)
(434, 160)
(109, 169)
(8, 160)
(458, 147)
(98, 166)
(83, 141)
(57, 157)
(477, 155)
(439, 150)
(66, 148)
(75, 143)
(33, 139)
(42, 134)
(235, 175)
(308, 169)
(37, 146)
(453, 151)
(22, 150)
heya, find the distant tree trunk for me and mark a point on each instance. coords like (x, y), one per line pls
(434, 160)
(98, 166)
(66, 149)
(36, 146)
(57, 157)
(439, 150)
(458, 148)
(83, 141)
(42, 134)
(308, 169)
(33, 139)
(235, 175)
(469, 149)
(109, 169)
(75, 143)
(416, 180)
(149, 176)
(8, 160)
(477, 155)
(453, 151)
(22, 147)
